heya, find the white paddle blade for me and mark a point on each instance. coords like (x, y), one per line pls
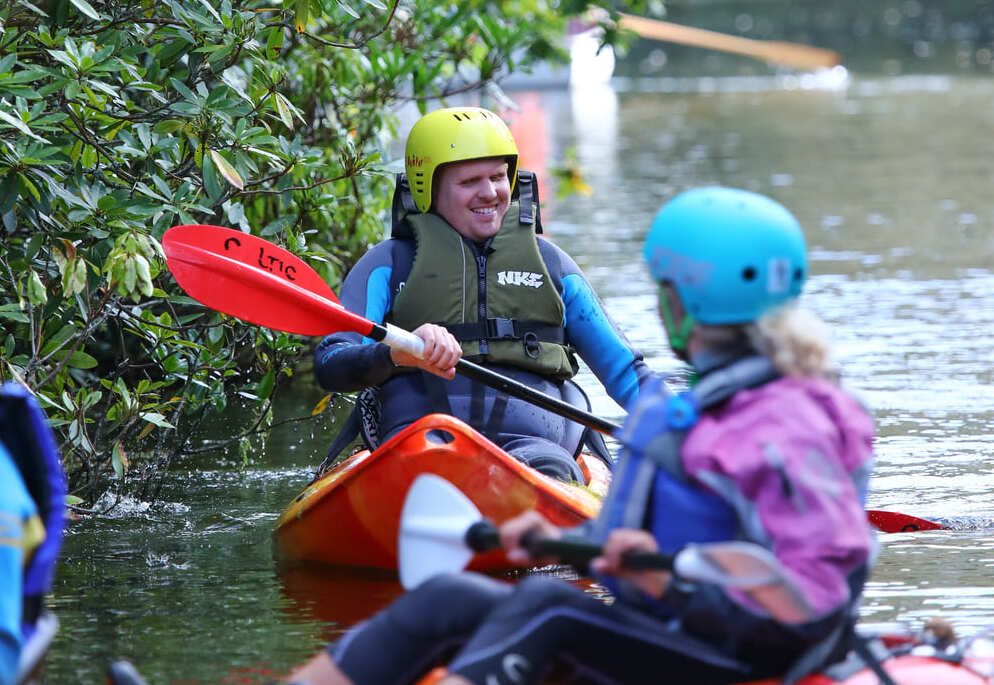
(749, 569)
(433, 528)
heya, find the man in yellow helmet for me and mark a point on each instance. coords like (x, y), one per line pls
(465, 271)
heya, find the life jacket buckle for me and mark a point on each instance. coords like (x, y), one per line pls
(681, 412)
(532, 348)
(503, 329)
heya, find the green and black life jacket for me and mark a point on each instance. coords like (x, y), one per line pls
(498, 299)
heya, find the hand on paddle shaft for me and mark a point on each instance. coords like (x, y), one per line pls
(629, 554)
(441, 352)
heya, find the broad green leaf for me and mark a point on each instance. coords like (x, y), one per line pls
(274, 42)
(17, 123)
(144, 275)
(119, 460)
(29, 186)
(56, 340)
(265, 386)
(226, 170)
(348, 8)
(81, 360)
(212, 11)
(36, 289)
(156, 418)
(87, 9)
(130, 275)
(283, 108)
(12, 315)
(302, 11)
(167, 126)
(31, 7)
(78, 282)
(89, 157)
(210, 177)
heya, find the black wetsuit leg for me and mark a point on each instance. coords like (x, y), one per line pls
(539, 438)
(400, 643)
(545, 619)
(544, 456)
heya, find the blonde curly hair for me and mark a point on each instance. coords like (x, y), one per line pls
(796, 340)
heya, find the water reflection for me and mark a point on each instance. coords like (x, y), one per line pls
(337, 597)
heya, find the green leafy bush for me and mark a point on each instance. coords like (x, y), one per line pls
(121, 119)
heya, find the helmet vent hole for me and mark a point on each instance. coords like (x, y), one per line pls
(798, 274)
(749, 273)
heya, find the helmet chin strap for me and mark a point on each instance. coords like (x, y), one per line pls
(678, 335)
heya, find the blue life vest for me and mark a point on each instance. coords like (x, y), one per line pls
(25, 433)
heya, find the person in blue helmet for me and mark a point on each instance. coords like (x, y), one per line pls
(466, 271)
(764, 447)
(31, 523)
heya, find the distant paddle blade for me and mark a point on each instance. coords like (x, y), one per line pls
(433, 525)
(896, 522)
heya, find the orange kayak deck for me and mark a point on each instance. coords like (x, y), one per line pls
(351, 515)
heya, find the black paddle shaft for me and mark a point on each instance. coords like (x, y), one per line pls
(482, 536)
(521, 391)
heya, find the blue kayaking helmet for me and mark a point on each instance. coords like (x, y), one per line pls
(731, 255)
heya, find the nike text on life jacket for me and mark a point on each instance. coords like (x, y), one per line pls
(526, 278)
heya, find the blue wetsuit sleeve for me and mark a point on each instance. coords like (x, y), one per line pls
(16, 506)
(617, 365)
(345, 361)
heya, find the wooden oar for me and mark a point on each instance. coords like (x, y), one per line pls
(255, 280)
(777, 52)
(441, 529)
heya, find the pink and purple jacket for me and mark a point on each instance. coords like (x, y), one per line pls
(782, 462)
(792, 458)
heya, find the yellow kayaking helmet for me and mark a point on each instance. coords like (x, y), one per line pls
(455, 134)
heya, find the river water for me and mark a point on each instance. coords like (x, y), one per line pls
(891, 178)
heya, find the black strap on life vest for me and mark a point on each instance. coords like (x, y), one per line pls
(506, 329)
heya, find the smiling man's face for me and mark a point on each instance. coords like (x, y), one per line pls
(473, 196)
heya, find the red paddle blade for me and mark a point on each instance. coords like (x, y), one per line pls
(258, 253)
(896, 522)
(254, 280)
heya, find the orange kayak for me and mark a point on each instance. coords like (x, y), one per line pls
(350, 515)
